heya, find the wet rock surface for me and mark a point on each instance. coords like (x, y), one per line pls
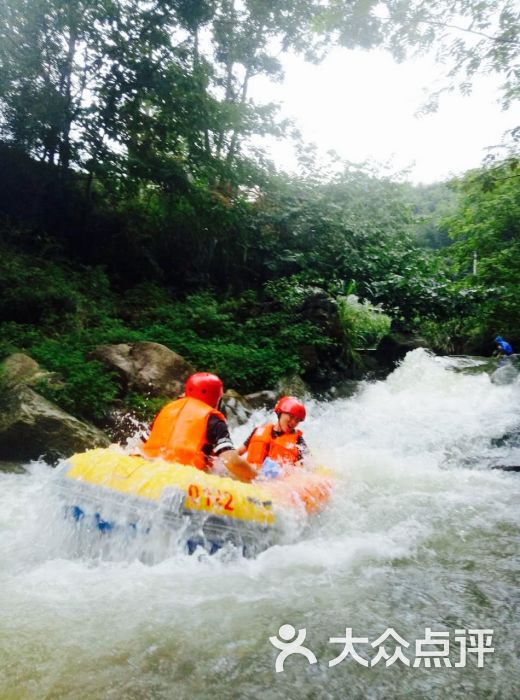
(32, 427)
(148, 368)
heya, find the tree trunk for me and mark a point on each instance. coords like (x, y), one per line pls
(65, 90)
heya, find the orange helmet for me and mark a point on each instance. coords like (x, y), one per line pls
(292, 406)
(205, 387)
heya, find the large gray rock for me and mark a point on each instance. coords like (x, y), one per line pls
(19, 368)
(32, 427)
(292, 386)
(321, 362)
(236, 408)
(394, 346)
(262, 399)
(148, 368)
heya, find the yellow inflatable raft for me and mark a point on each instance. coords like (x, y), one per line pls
(114, 488)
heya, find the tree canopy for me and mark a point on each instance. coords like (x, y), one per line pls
(159, 90)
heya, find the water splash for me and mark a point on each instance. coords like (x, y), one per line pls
(420, 532)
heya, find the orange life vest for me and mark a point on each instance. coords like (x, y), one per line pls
(282, 448)
(179, 432)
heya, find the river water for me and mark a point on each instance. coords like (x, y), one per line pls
(422, 537)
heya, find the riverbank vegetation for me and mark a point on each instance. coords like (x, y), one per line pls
(136, 203)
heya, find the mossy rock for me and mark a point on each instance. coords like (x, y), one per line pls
(32, 427)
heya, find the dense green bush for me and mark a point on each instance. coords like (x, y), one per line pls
(249, 343)
(88, 390)
(364, 324)
(449, 337)
(248, 348)
(35, 290)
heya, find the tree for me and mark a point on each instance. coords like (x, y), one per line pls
(354, 233)
(47, 66)
(124, 85)
(486, 228)
(469, 36)
(432, 204)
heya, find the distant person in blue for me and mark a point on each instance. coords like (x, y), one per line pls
(503, 347)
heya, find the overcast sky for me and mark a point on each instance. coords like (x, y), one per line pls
(363, 105)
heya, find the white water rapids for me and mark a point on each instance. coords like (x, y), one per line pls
(421, 533)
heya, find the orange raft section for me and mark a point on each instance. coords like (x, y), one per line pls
(300, 488)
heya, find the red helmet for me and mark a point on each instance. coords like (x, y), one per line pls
(205, 387)
(291, 405)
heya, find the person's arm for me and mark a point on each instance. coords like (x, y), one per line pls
(223, 448)
(238, 466)
(245, 446)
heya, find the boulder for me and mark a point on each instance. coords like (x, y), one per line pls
(19, 368)
(506, 373)
(262, 399)
(148, 368)
(32, 427)
(236, 408)
(322, 310)
(320, 361)
(292, 386)
(393, 347)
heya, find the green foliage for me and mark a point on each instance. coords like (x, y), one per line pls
(486, 232)
(5, 394)
(143, 408)
(249, 347)
(363, 324)
(250, 344)
(87, 390)
(156, 108)
(431, 205)
(105, 86)
(291, 292)
(141, 218)
(57, 314)
(470, 37)
(34, 292)
(449, 336)
(15, 337)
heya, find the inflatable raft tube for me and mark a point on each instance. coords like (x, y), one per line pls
(110, 488)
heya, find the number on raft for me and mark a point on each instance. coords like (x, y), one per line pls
(225, 499)
(193, 492)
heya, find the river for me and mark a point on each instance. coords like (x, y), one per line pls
(421, 538)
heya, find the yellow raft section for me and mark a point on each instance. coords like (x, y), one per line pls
(149, 479)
